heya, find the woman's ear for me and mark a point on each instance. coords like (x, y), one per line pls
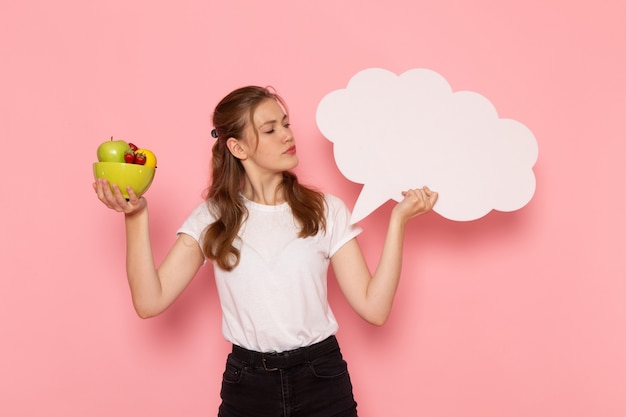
(236, 149)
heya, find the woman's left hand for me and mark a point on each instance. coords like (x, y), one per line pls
(416, 202)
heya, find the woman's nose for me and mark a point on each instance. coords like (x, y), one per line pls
(288, 135)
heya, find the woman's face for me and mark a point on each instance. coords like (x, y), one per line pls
(269, 144)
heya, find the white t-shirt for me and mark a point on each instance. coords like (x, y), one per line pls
(276, 298)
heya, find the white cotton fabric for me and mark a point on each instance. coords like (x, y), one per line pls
(276, 298)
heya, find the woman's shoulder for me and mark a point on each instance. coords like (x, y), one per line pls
(202, 212)
(197, 221)
(335, 205)
(333, 200)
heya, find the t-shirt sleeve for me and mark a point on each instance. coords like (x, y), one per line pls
(197, 221)
(338, 225)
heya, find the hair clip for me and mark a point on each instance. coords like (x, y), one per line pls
(214, 133)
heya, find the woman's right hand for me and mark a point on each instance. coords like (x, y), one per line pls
(112, 197)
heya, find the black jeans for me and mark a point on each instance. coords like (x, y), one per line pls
(307, 382)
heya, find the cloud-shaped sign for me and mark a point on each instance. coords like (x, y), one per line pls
(394, 132)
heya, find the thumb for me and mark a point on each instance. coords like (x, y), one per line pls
(432, 195)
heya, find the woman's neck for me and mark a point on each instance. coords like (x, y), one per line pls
(267, 192)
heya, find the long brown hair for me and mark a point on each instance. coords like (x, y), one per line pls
(233, 114)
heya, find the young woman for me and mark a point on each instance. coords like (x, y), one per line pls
(271, 241)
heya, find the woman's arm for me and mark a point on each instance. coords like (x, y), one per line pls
(371, 296)
(153, 290)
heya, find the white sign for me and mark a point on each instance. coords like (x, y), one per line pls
(394, 132)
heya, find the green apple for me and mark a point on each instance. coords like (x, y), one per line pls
(112, 150)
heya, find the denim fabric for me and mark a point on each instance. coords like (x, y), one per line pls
(317, 388)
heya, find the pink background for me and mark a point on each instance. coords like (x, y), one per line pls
(515, 314)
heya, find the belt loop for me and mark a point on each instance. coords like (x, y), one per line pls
(264, 360)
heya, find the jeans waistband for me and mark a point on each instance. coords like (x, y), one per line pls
(287, 359)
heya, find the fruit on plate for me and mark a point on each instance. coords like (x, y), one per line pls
(129, 156)
(140, 158)
(150, 157)
(126, 165)
(112, 150)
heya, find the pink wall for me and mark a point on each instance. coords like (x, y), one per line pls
(516, 314)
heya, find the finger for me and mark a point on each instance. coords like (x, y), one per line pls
(132, 197)
(109, 193)
(121, 201)
(428, 192)
(96, 186)
(419, 194)
(409, 194)
(112, 196)
(102, 189)
(432, 198)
